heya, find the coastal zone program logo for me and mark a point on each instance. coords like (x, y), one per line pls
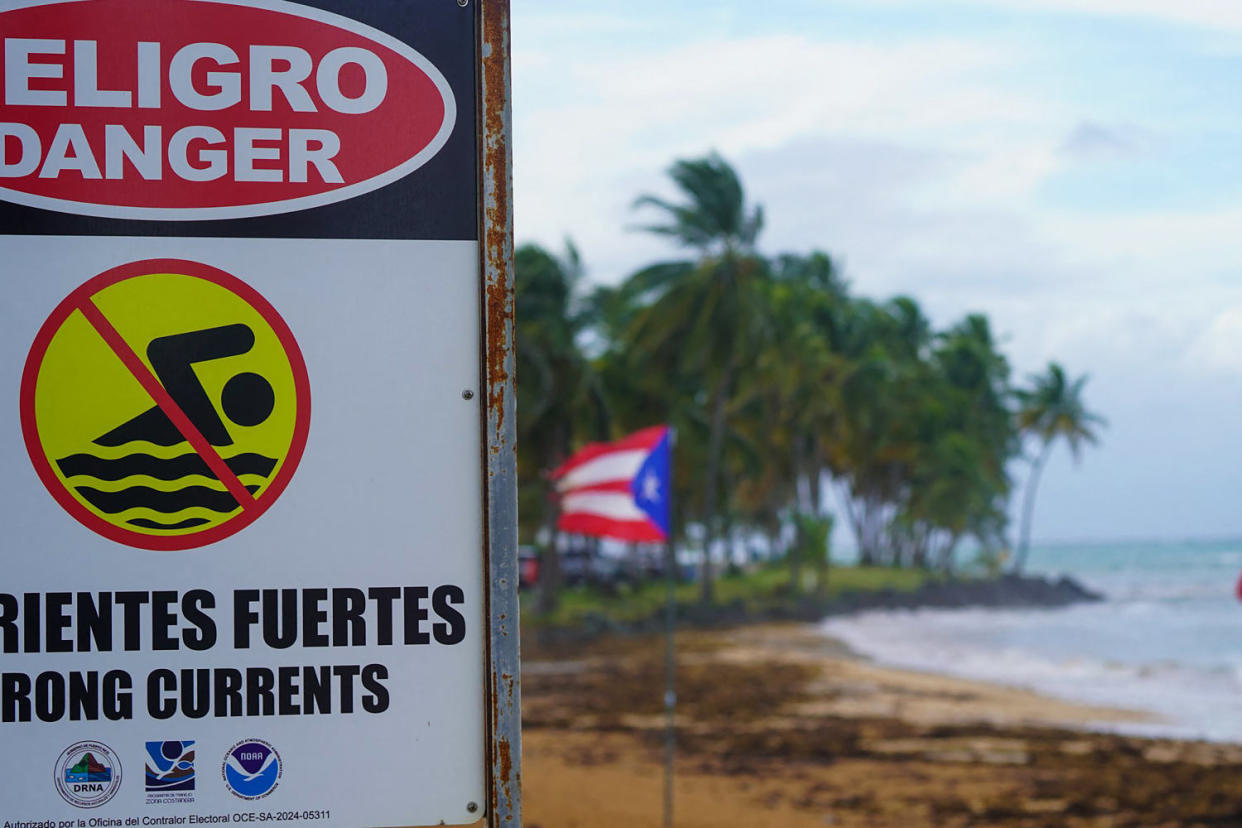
(170, 772)
(88, 774)
(252, 769)
(165, 404)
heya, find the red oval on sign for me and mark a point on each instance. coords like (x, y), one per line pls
(207, 109)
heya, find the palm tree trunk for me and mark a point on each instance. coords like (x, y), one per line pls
(870, 543)
(920, 540)
(851, 514)
(1028, 508)
(591, 548)
(798, 549)
(815, 479)
(946, 554)
(711, 484)
(821, 573)
(550, 576)
(633, 565)
(823, 560)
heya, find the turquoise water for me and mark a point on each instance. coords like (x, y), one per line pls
(1167, 602)
(1167, 640)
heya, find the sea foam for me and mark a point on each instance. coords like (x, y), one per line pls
(1167, 641)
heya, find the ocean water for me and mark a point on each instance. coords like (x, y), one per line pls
(1167, 640)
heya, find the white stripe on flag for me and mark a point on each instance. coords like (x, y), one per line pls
(607, 468)
(611, 505)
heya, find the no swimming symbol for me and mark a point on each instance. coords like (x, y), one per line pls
(165, 404)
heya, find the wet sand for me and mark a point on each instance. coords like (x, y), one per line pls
(779, 726)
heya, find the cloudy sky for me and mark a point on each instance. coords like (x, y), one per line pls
(1072, 168)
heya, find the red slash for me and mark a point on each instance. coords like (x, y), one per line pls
(167, 404)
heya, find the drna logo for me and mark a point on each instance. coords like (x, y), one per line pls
(88, 774)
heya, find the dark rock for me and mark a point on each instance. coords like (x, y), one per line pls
(1007, 591)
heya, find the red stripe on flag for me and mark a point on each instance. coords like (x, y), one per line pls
(645, 439)
(620, 486)
(637, 531)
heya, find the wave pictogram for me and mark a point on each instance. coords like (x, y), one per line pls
(188, 523)
(147, 465)
(202, 497)
(145, 480)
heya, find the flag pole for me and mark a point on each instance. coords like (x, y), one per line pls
(670, 652)
(670, 674)
(635, 455)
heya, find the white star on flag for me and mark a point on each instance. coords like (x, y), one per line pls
(651, 487)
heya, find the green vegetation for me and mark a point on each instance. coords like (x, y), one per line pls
(1051, 409)
(763, 588)
(784, 387)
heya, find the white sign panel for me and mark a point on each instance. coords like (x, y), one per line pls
(242, 569)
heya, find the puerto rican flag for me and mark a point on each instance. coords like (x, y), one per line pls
(619, 490)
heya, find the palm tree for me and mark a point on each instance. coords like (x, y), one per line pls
(560, 395)
(1051, 408)
(969, 487)
(794, 372)
(875, 442)
(716, 218)
(700, 318)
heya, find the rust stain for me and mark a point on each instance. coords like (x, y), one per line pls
(498, 314)
(502, 698)
(498, 230)
(506, 779)
(506, 759)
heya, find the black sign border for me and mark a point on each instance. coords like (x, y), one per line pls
(436, 201)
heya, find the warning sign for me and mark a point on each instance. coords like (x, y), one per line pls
(165, 404)
(306, 192)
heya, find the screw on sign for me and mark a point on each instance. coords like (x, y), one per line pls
(165, 404)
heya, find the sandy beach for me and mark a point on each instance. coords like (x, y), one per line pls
(781, 726)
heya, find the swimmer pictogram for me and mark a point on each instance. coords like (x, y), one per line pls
(165, 404)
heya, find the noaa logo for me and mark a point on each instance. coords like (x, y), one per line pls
(88, 774)
(252, 769)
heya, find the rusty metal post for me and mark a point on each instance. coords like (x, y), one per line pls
(504, 717)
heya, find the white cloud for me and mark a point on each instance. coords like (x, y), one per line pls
(1207, 13)
(912, 160)
(762, 91)
(1218, 348)
(594, 129)
(924, 163)
(1000, 173)
(1152, 249)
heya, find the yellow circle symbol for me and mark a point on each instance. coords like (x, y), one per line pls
(165, 404)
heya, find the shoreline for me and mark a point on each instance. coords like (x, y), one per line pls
(1007, 591)
(1062, 655)
(867, 687)
(780, 725)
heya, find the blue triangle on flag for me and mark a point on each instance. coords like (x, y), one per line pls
(652, 486)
